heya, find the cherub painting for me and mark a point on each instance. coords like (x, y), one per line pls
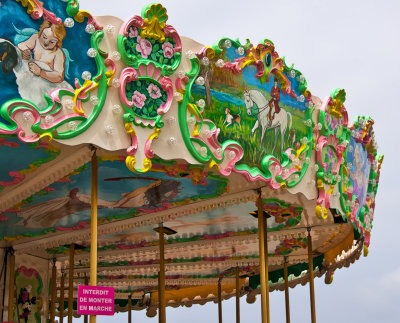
(38, 61)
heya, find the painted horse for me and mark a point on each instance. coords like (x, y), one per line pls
(279, 123)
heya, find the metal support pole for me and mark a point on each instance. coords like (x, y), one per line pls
(85, 317)
(62, 288)
(53, 292)
(311, 274)
(130, 309)
(161, 284)
(71, 282)
(285, 272)
(266, 262)
(4, 282)
(11, 286)
(237, 296)
(219, 301)
(93, 228)
(261, 243)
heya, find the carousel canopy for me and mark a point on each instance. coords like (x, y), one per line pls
(185, 135)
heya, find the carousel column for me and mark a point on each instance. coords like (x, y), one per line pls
(62, 296)
(285, 272)
(85, 317)
(161, 275)
(237, 296)
(11, 285)
(219, 301)
(93, 228)
(311, 275)
(53, 292)
(130, 309)
(261, 242)
(266, 260)
(71, 281)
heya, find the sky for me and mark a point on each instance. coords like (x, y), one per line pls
(348, 44)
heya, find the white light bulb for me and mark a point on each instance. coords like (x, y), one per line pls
(227, 43)
(92, 52)
(110, 28)
(201, 103)
(240, 50)
(72, 125)
(27, 116)
(172, 141)
(116, 109)
(68, 104)
(205, 61)
(49, 119)
(109, 129)
(69, 22)
(94, 100)
(200, 80)
(90, 29)
(86, 75)
(116, 83)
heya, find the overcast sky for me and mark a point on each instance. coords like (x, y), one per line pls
(349, 44)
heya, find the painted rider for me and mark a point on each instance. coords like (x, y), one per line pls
(274, 102)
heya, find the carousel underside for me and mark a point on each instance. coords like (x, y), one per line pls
(148, 132)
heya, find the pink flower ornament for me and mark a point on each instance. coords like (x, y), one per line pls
(133, 32)
(168, 50)
(138, 99)
(144, 47)
(154, 91)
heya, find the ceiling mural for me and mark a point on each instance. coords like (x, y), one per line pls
(65, 204)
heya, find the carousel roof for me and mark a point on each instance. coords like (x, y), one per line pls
(186, 135)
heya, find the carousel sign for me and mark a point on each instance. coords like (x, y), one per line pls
(93, 300)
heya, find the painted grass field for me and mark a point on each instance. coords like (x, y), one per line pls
(254, 150)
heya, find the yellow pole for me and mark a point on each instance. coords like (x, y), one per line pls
(219, 301)
(311, 273)
(285, 272)
(62, 297)
(130, 309)
(11, 287)
(85, 317)
(71, 282)
(266, 261)
(237, 296)
(261, 243)
(53, 292)
(93, 229)
(161, 283)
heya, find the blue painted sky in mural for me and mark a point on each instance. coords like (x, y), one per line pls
(9, 157)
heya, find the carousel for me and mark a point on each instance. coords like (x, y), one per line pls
(174, 173)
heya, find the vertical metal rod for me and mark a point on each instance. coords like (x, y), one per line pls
(93, 228)
(130, 309)
(4, 282)
(311, 274)
(71, 282)
(161, 283)
(11, 287)
(61, 308)
(237, 296)
(219, 301)
(85, 317)
(53, 292)
(261, 243)
(266, 263)
(285, 273)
